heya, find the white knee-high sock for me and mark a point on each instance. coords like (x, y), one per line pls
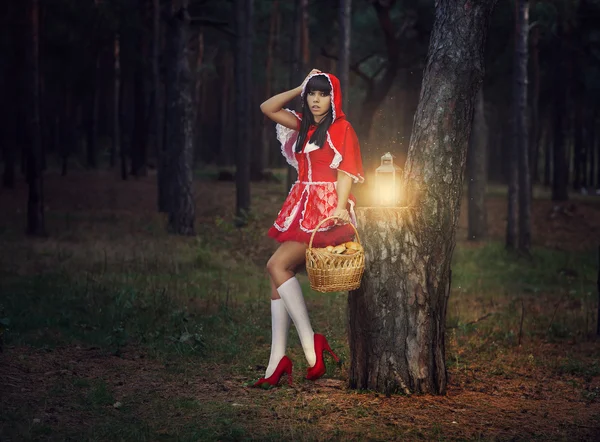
(291, 293)
(280, 326)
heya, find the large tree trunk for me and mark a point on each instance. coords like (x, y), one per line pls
(179, 125)
(35, 203)
(397, 316)
(477, 164)
(243, 93)
(345, 15)
(521, 134)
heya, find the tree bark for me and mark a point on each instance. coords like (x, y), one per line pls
(35, 204)
(397, 316)
(521, 128)
(477, 164)
(345, 15)
(243, 89)
(179, 125)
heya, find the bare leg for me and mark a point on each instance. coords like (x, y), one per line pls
(282, 265)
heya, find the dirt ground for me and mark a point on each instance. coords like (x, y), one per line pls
(528, 403)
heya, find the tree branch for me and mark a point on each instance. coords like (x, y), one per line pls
(355, 67)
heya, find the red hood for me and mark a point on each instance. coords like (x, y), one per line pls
(336, 95)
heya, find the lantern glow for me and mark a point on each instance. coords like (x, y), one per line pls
(386, 181)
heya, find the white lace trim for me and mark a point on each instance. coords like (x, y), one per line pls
(290, 218)
(284, 136)
(337, 158)
(356, 179)
(333, 113)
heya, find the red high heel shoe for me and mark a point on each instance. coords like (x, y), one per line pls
(284, 367)
(315, 372)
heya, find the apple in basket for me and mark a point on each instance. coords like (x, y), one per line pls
(348, 248)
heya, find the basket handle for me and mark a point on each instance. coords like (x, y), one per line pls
(327, 219)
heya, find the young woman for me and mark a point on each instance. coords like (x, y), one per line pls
(322, 145)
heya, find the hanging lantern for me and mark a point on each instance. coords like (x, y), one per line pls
(387, 179)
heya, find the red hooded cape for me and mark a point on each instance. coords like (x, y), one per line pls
(313, 197)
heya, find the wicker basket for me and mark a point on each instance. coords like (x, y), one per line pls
(330, 272)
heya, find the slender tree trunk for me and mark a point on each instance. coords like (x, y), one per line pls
(297, 67)
(267, 128)
(243, 89)
(157, 110)
(179, 134)
(592, 141)
(199, 104)
(10, 75)
(560, 164)
(35, 204)
(92, 123)
(579, 176)
(534, 139)
(225, 139)
(477, 163)
(521, 56)
(116, 141)
(596, 147)
(548, 151)
(398, 315)
(139, 144)
(513, 192)
(67, 133)
(345, 15)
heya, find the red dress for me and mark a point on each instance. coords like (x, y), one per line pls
(313, 197)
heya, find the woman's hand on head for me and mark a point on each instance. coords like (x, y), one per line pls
(342, 214)
(314, 71)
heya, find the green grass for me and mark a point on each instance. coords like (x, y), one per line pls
(188, 303)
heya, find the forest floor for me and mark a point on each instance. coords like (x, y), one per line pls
(119, 331)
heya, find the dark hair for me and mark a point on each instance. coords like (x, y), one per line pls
(317, 83)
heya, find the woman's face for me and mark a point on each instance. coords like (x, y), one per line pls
(319, 104)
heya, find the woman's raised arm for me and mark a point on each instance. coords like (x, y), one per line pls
(273, 108)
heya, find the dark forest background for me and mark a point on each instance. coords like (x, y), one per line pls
(167, 86)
